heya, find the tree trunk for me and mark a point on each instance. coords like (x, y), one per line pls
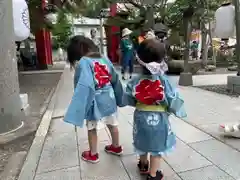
(204, 47)
(11, 115)
(150, 17)
(214, 60)
(185, 78)
(187, 35)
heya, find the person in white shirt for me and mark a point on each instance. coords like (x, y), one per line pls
(94, 38)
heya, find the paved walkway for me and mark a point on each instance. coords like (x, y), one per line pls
(198, 155)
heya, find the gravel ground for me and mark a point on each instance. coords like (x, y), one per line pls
(38, 87)
(221, 89)
(22, 144)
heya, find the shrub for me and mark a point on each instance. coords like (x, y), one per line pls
(176, 54)
(177, 66)
(61, 31)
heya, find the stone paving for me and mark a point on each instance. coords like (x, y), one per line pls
(201, 153)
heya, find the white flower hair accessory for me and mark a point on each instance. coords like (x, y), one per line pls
(154, 67)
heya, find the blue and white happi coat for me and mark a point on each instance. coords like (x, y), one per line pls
(155, 99)
(97, 91)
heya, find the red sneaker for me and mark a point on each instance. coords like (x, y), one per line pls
(114, 150)
(87, 156)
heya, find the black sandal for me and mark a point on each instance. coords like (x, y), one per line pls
(159, 176)
(143, 168)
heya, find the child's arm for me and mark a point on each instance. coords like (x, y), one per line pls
(130, 100)
(121, 45)
(117, 85)
(175, 101)
(118, 89)
(76, 77)
(83, 95)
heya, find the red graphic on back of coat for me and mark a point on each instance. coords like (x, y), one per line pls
(149, 91)
(101, 74)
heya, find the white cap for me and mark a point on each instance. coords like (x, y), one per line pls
(126, 32)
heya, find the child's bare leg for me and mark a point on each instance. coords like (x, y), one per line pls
(92, 140)
(143, 164)
(114, 135)
(144, 159)
(154, 165)
(115, 147)
(91, 155)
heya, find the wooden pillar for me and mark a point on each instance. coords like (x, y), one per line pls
(43, 46)
(115, 39)
(49, 47)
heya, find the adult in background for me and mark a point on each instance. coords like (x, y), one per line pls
(162, 36)
(94, 38)
(194, 49)
(150, 35)
(127, 53)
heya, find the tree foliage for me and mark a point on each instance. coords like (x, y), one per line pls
(203, 12)
(92, 8)
(139, 15)
(62, 30)
(38, 13)
(181, 9)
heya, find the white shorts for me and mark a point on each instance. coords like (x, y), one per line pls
(109, 120)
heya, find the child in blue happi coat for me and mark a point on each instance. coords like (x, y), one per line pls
(154, 98)
(97, 93)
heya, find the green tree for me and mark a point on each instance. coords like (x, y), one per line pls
(183, 15)
(202, 15)
(37, 13)
(62, 30)
(92, 8)
(140, 15)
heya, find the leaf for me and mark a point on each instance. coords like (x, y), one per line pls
(62, 30)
